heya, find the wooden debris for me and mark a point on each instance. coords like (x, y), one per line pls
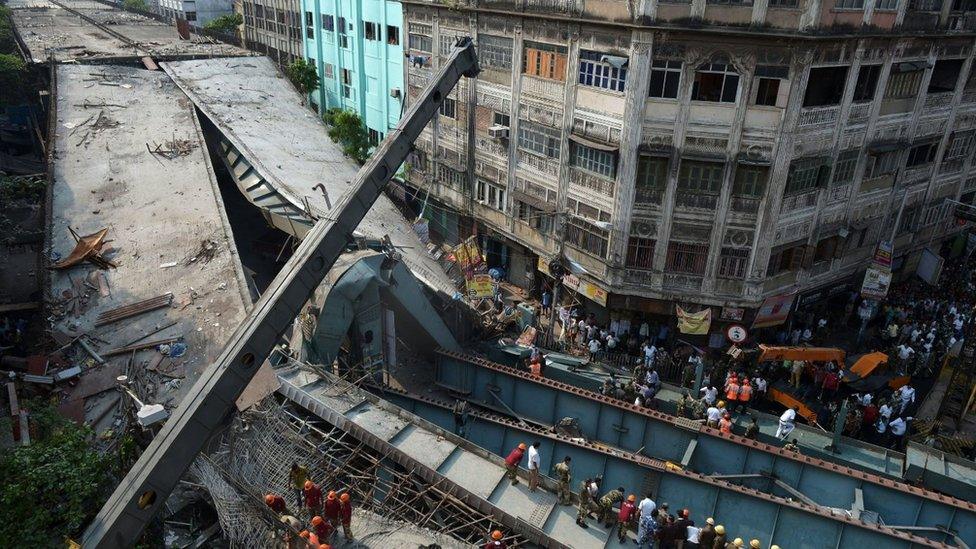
(140, 346)
(133, 309)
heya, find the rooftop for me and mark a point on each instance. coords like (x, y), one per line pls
(262, 115)
(89, 30)
(165, 220)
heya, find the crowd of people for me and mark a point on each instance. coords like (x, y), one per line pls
(652, 525)
(325, 515)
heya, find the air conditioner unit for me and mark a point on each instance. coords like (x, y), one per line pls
(395, 93)
(498, 132)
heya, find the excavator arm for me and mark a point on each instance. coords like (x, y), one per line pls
(210, 403)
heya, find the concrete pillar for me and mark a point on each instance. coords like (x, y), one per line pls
(759, 9)
(698, 9)
(514, 109)
(569, 106)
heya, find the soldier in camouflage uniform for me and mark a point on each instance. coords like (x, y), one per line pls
(563, 478)
(586, 502)
(698, 409)
(607, 502)
(682, 406)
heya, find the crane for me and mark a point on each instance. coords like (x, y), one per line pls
(209, 405)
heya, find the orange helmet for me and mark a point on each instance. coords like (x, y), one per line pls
(344, 498)
(331, 494)
(316, 521)
(325, 546)
(269, 499)
(304, 534)
(309, 484)
(632, 498)
(521, 447)
(497, 534)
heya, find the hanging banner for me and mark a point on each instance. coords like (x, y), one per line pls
(468, 257)
(588, 289)
(876, 283)
(774, 311)
(732, 313)
(882, 255)
(694, 323)
(480, 286)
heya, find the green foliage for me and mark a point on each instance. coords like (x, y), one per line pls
(17, 188)
(7, 42)
(225, 24)
(50, 489)
(348, 130)
(303, 75)
(138, 5)
(13, 72)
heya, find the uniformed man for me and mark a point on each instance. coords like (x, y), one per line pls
(752, 430)
(607, 502)
(563, 478)
(589, 488)
(698, 409)
(682, 406)
(792, 446)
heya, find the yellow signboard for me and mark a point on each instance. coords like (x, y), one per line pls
(588, 289)
(480, 286)
(694, 323)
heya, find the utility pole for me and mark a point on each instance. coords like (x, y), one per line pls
(557, 284)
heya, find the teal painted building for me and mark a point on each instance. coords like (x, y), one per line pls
(357, 49)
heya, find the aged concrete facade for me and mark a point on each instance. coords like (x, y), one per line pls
(272, 27)
(716, 165)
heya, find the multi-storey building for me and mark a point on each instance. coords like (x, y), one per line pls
(706, 152)
(197, 12)
(356, 47)
(272, 27)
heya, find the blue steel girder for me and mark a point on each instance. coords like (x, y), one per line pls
(664, 437)
(745, 512)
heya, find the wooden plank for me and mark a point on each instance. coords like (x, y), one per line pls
(133, 309)
(103, 285)
(140, 346)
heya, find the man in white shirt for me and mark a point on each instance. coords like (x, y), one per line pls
(786, 423)
(649, 351)
(646, 506)
(907, 397)
(905, 352)
(710, 393)
(898, 427)
(611, 342)
(594, 347)
(885, 411)
(534, 464)
(714, 414)
(645, 330)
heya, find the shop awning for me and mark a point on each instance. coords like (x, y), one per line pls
(774, 310)
(533, 201)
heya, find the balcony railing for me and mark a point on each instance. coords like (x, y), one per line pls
(648, 197)
(937, 101)
(818, 116)
(598, 184)
(799, 201)
(682, 282)
(918, 173)
(859, 113)
(743, 204)
(696, 201)
(969, 96)
(537, 163)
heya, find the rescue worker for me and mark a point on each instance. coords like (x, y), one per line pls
(535, 463)
(332, 509)
(732, 391)
(276, 503)
(512, 462)
(496, 541)
(345, 514)
(787, 422)
(587, 500)
(322, 528)
(792, 446)
(754, 544)
(297, 477)
(725, 424)
(294, 525)
(681, 526)
(745, 393)
(563, 478)
(313, 497)
(712, 416)
(737, 543)
(698, 408)
(607, 502)
(706, 537)
(752, 430)
(625, 517)
(719, 541)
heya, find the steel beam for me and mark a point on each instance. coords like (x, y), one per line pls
(210, 402)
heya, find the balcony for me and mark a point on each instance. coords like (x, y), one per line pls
(729, 287)
(648, 197)
(820, 268)
(743, 204)
(937, 101)
(596, 183)
(818, 116)
(799, 201)
(539, 164)
(542, 87)
(695, 201)
(859, 113)
(641, 278)
(916, 174)
(781, 280)
(969, 96)
(682, 282)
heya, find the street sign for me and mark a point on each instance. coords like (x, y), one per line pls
(736, 333)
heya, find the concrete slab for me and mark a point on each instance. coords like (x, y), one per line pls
(424, 446)
(534, 507)
(159, 214)
(262, 115)
(472, 472)
(381, 423)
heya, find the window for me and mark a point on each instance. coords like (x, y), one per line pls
(328, 70)
(593, 160)
(919, 155)
(715, 82)
(652, 172)
(640, 253)
(880, 164)
(750, 181)
(602, 71)
(665, 77)
(344, 41)
(492, 194)
(768, 85)
(587, 237)
(767, 90)
(845, 166)
(700, 177)
(538, 139)
(886, 5)
(393, 35)
(328, 22)
(925, 5)
(825, 86)
(805, 175)
(447, 41)
(867, 82)
(544, 60)
(904, 83)
(945, 74)
(783, 3)
(191, 16)
(732, 2)
(686, 258)
(449, 177)
(849, 4)
(788, 258)
(534, 217)
(495, 51)
(449, 108)
(732, 263)
(342, 25)
(825, 249)
(373, 136)
(370, 31)
(420, 42)
(500, 119)
(960, 145)
(346, 76)
(309, 25)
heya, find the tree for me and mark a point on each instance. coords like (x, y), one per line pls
(138, 5)
(348, 130)
(13, 72)
(225, 24)
(53, 487)
(7, 42)
(303, 75)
